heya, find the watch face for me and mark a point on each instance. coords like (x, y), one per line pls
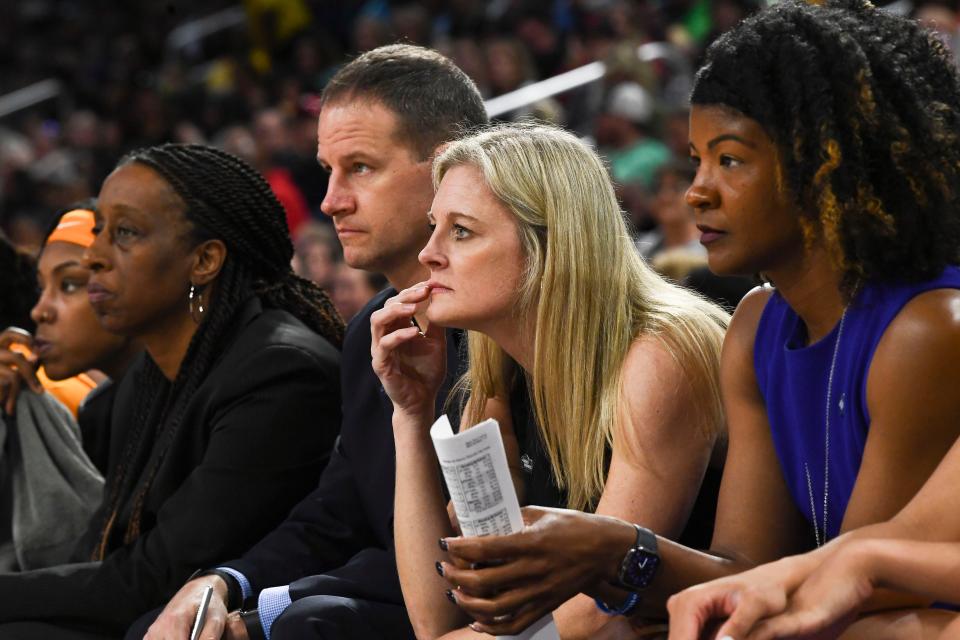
(639, 567)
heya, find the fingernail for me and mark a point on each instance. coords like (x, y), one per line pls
(439, 568)
(443, 543)
(452, 598)
(727, 638)
(475, 626)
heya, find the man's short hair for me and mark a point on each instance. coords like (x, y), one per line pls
(433, 99)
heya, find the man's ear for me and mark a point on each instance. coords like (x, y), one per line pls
(209, 257)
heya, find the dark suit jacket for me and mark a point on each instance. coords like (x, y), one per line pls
(255, 437)
(347, 522)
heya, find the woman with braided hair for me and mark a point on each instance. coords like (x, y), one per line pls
(828, 160)
(229, 416)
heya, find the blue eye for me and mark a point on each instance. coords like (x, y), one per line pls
(460, 232)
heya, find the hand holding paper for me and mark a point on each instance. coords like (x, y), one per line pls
(475, 469)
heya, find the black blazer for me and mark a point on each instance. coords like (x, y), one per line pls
(347, 522)
(255, 437)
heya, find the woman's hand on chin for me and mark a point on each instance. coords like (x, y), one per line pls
(411, 364)
(16, 369)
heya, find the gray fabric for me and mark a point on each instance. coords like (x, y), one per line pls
(51, 488)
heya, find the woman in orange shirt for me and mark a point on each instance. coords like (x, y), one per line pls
(75, 352)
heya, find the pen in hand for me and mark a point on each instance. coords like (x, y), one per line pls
(201, 613)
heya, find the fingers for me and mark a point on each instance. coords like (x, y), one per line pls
(391, 317)
(487, 549)
(12, 362)
(176, 620)
(392, 341)
(214, 625)
(15, 371)
(481, 582)
(511, 625)
(773, 628)
(690, 610)
(750, 606)
(799, 621)
(16, 335)
(514, 622)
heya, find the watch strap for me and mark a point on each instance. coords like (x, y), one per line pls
(646, 539)
(633, 598)
(251, 621)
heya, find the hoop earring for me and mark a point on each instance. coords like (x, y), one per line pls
(195, 304)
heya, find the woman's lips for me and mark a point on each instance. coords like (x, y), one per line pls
(709, 234)
(41, 347)
(97, 293)
(436, 287)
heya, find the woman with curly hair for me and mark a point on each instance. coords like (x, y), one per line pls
(826, 143)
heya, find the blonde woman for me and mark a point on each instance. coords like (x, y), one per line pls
(615, 368)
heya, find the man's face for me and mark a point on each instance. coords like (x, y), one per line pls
(379, 193)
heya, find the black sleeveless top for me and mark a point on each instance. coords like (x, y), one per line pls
(541, 487)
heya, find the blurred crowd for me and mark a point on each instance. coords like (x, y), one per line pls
(130, 77)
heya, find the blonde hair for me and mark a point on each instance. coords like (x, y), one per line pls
(592, 296)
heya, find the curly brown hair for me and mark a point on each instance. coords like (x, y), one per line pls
(864, 107)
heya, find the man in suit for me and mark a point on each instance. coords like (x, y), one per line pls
(329, 570)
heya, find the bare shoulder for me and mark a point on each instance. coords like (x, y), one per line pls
(658, 394)
(649, 363)
(925, 332)
(920, 347)
(932, 316)
(746, 317)
(650, 360)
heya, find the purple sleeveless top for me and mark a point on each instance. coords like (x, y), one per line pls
(792, 377)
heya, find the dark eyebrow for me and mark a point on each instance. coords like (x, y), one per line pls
(121, 207)
(730, 136)
(65, 265)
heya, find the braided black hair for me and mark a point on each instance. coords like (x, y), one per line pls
(864, 107)
(227, 199)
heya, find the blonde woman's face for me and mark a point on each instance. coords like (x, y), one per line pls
(475, 257)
